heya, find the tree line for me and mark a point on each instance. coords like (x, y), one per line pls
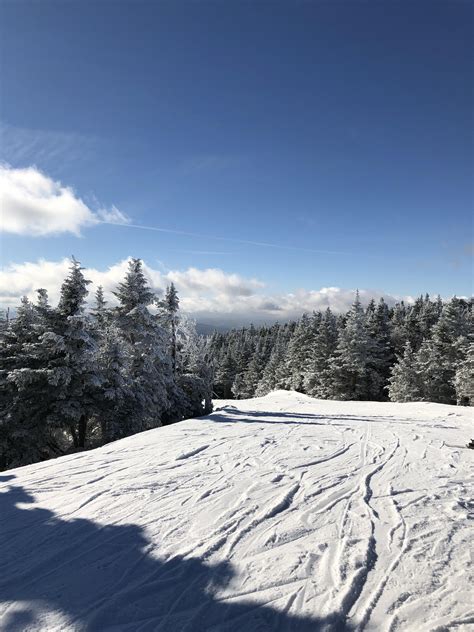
(418, 352)
(72, 379)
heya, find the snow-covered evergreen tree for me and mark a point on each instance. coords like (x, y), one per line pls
(42, 303)
(317, 380)
(134, 290)
(73, 291)
(382, 355)
(113, 361)
(168, 309)
(246, 385)
(274, 374)
(404, 383)
(398, 333)
(464, 378)
(150, 366)
(439, 356)
(70, 347)
(99, 311)
(25, 393)
(299, 349)
(225, 376)
(351, 372)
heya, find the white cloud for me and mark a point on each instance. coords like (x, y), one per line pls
(112, 216)
(209, 295)
(212, 279)
(33, 204)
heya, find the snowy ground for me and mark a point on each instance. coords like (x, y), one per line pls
(278, 513)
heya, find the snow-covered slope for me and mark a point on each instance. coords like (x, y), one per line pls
(278, 513)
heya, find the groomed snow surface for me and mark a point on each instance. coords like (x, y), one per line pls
(278, 513)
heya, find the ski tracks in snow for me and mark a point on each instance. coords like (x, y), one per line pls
(356, 513)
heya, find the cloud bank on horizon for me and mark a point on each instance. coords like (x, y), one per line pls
(209, 295)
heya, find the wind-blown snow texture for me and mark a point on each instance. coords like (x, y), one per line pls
(278, 513)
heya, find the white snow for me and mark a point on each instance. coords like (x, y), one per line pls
(277, 513)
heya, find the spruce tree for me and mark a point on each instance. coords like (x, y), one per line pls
(25, 394)
(168, 309)
(70, 349)
(274, 374)
(317, 381)
(250, 378)
(134, 290)
(404, 383)
(382, 356)
(439, 356)
(113, 361)
(150, 367)
(351, 373)
(225, 376)
(298, 352)
(99, 311)
(464, 378)
(42, 304)
(398, 332)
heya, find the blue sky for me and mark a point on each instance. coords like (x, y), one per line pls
(343, 127)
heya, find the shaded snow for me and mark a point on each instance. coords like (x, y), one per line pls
(277, 513)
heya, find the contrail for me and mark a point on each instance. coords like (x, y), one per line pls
(263, 244)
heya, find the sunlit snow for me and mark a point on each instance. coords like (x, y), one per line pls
(277, 513)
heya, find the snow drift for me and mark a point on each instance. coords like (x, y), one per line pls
(278, 513)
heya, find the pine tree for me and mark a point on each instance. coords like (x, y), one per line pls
(238, 386)
(99, 310)
(191, 395)
(25, 436)
(274, 374)
(404, 383)
(225, 376)
(150, 366)
(382, 356)
(71, 349)
(299, 350)
(4, 320)
(168, 309)
(323, 346)
(439, 357)
(113, 359)
(351, 373)
(398, 333)
(464, 378)
(73, 291)
(42, 303)
(134, 290)
(249, 380)
(435, 380)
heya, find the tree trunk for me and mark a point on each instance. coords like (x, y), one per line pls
(82, 429)
(173, 345)
(74, 436)
(103, 431)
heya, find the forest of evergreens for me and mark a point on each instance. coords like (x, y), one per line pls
(418, 352)
(75, 377)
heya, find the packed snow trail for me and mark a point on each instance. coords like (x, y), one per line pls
(277, 513)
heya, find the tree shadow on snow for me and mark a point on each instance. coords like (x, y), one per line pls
(232, 414)
(110, 577)
(270, 417)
